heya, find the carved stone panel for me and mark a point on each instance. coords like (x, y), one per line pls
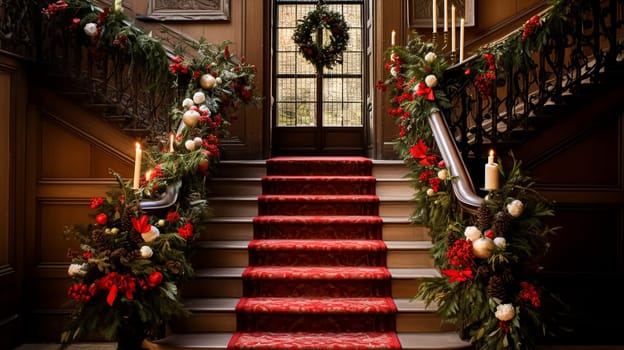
(189, 10)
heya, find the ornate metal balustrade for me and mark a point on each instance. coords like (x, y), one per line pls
(533, 81)
(112, 82)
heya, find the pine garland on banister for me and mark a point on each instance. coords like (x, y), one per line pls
(128, 263)
(489, 262)
(322, 54)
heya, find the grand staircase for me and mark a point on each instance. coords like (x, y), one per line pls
(223, 258)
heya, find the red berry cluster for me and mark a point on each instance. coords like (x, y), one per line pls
(53, 8)
(460, 254)
(530, 26)
(484, 82)
(81, 292)
(530, 294)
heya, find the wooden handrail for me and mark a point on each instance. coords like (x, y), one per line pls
(462, 183)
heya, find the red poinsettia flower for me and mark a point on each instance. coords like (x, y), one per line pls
(186, 231)
(173, 216)
(419, 150)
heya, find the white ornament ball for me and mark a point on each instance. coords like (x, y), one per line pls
(515, 208)
(198, 141)
(151, 234)
(146, 252)
(207, 81)
(430, 192)
(431, 81)
(199, 98)
(91, 29)
(162, 222)
(187, 102)
(500, 242)
(190, 118)
(219, 80)
(472, 233)
(442, 174)
(482, 248)
(505, 312)
(189, 145)
(430, 57)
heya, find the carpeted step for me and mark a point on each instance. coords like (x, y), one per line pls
(320, 166)
(316, 314)
(317, 227)
(314, 341)
(318, 205)
(313, 281)
(311, 185)
(298, 252)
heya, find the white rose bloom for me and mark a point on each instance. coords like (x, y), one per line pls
(430, 57)
(442, 174)
(219, 80)
(199, 97)
(190, 145)
(472, 233)
(430, 192)
(431, 81)
(187, 102)
(500, 242)
(76, 269)
(151, 235)
(394, 71)
(198, 141)
(505, 312)
(90, 29)
(204, 108)
(146, 252)
(515, 208)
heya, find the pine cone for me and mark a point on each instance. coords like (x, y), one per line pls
(125, 222)
(496, 288)
(100, 239)
(484, 216)
(502, 224)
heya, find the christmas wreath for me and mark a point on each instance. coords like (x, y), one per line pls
(319, 54)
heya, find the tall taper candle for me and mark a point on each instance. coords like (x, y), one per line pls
(445, 16)
(171, 138)
(392, 38)
(137, 166)
(491, 173)
(461, 40)
(453, 29)
(435, 16)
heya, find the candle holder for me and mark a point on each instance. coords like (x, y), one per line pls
(434, 39)
(445, 40)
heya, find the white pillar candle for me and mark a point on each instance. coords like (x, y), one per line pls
(435, 16)
(491, 173)
(461, 40)
(137, 166)
(445, 16)
(453, 29)
(392, 38)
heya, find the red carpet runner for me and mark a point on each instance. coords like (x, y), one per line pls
(317, 276)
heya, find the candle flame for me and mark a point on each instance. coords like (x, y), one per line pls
(138, 146)
(491, 153)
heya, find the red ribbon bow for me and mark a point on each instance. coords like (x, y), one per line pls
(458, 276)
(142, 225)
(423, 90)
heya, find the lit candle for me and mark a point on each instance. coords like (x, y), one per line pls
(171, 136)
(445, 16)
(461, 40)
(392, 38)
(435, 16)
(491, 173)
(117, 6)
(453, 29)
(137, 166)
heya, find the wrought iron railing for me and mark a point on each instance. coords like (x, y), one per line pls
(591, 47)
